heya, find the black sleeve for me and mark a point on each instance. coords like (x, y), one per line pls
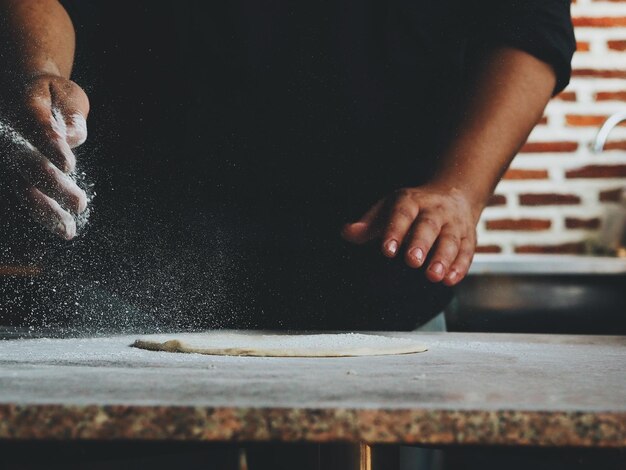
(542, 28)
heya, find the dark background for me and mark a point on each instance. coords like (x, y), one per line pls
(228, 144)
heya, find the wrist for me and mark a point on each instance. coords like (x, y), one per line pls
(475, 196)
(470, 170)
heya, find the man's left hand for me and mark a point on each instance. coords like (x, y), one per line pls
(425, 223)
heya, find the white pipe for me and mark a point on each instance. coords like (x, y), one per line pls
(607, 127)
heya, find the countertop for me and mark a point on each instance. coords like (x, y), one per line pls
(468, 388)
(547, 265)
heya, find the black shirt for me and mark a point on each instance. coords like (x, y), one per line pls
(231, 140)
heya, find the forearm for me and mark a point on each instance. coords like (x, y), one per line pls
(505, 100)
(36, 38)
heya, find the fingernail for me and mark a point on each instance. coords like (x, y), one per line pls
(452, 276)
(65, 229)
(418, 254)
(437, 268)
(391, 247)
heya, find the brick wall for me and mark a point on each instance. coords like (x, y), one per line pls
(558, 196)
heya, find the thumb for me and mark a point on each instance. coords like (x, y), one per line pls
(366, 229)
(357, 232)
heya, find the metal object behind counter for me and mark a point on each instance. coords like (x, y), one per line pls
(565, 294)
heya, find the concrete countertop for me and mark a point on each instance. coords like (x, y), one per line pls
(486, 389)
(547, 265)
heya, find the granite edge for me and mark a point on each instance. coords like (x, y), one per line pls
(375, 426)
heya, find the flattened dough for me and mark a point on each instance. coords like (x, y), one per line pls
(249, 343)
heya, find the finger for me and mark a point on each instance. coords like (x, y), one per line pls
(400, 220)
(462, 263)
(446, 251)
(54, 120)
(424, 232)
(46, 211)
(46, 177)
(367, 228)
(70, 107)
(69, 98)
(47, 133)
(76, 130)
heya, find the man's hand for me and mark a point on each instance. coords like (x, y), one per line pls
(423, 222)
(42, 112)
(505, 99)
(46, 118)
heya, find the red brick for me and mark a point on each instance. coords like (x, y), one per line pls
(611, 195)
(599, 21)
(574, 223)
(617, 45)
(519, 224)
(548, 199)
(598, 171)
(496, 200)
(598, 73)
(610, 96)
(586, 120)
(565, 248)
(519, 174)
(488, 249)
(615, 145)
(542, 147)
(582, 46)
(566, 96)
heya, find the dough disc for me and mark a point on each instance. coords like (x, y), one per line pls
(280, 345)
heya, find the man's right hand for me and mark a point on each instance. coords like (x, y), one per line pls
(50, 113)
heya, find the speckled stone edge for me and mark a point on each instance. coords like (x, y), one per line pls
(441, 427)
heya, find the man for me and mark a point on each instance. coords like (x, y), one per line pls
(284, 164)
